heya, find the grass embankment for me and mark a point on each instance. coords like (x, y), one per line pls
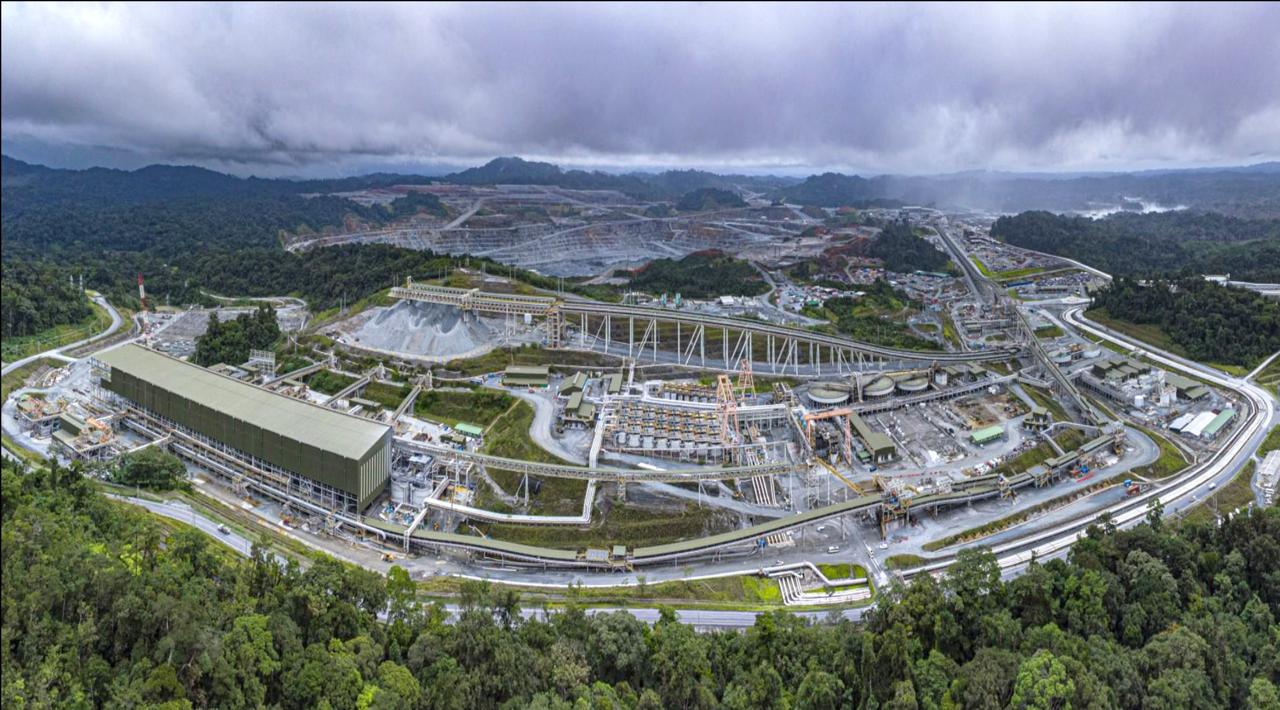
(1271, 443)
(949, 332)
(762, 385)
(622, 525)
(1236, 494)
(1069, 440)
(1049, 332)
(1170, 462)
(903, 561)
(496, 360)
(479, 407)
(388, 395)
(18, 377)
(981, 267)
(837, 572)
(508, 436)
(1044, 399)
(329, 382)
(1012, 274)
(744, 593)
(16, 348)
(12, 447)
(1270, 377)
(287, 361)
(332, 315)
(1149, 334)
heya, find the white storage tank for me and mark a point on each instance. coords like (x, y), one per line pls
(417, 494)
(399, 491)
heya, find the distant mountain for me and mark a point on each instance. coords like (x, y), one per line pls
(837, 190)
(668, 185)
(509, 171)
(709, 198)
(517, 171)
(1252, 192)
(26, 185)
(1248, 191)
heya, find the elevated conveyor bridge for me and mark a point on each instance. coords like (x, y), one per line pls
(693, 338)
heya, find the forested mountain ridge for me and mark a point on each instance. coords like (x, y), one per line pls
(667, 185)
(1127, 244)
(1211, 322)
(106, 606)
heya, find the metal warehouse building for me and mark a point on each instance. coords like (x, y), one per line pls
(327, 457)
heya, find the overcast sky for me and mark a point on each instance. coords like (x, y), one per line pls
(288, 89)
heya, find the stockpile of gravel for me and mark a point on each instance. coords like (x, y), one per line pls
(423, 329)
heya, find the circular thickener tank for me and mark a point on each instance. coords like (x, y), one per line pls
(914, 384)
(823, 393)
(1060, 357)
(1092, 353)
(882, 387)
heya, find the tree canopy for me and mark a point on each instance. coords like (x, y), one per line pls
(903, 251)
(150, 468)
(1212, 322)
(108, 606)
(1143, 244)
(230, 342)
(703, 274)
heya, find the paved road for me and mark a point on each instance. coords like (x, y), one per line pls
(186, 514)
(699, 618)
(116, 322)
(544, 414)
(1226, 463)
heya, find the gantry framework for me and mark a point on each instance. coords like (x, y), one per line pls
(600, 473)
(610, 326)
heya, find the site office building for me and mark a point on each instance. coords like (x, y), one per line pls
(332, 459)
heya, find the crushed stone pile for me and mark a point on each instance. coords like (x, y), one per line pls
(423, 329)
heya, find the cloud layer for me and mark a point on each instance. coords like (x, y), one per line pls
(292, 88)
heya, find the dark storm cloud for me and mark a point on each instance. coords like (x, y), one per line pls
(875, 88)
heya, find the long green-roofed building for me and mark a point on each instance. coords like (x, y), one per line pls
(323, 455)
(526, 376)
(986, 435)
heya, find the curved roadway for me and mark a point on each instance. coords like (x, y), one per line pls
(116, 322)
(1175, 495)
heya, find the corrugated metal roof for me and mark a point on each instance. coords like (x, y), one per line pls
(471, 429)
(1198, 424)
(986, 434)
(527, 370)
(1196, 392)
(325, 429)
(1218, 422)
